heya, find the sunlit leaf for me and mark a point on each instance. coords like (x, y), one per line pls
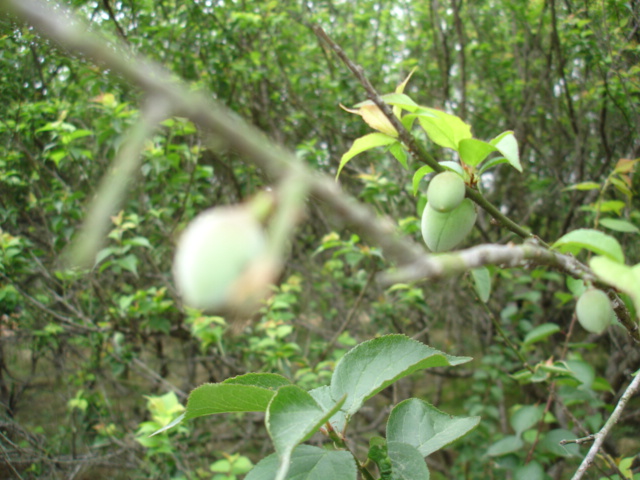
(584, 186)
(363, 144)
(507, 144)
(592, 240)
(619, 225)
(419, 175)
(473, 151)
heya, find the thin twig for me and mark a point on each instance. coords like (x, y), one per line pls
(604, 431)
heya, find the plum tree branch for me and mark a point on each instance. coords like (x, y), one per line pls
(278, 163)
(433, 267)
(418, 151)
(215, 119)
(604, 431)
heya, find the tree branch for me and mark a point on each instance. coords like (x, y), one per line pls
(604, 431)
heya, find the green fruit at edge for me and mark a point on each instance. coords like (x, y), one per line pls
(443, 231)
(445, 191)
(594, 311)
(214, 252)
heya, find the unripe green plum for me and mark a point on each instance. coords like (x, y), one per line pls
(594, 311)
(445, 191)
(213, 256)
(443, 231)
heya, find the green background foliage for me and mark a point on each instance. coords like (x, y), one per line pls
(93, 361)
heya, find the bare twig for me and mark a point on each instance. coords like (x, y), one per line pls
(604, 431)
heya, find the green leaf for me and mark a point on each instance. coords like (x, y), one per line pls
(322, 395)
(489, 164)
(137, 242)
(611, 206)
(399, 153)
(419, 175)
(454, 167)
(507, 145)
(592, 240)
(621, 186)
(423, 426)
(374, 365)
(526, 417)
(622, 277)
(473, 151)
(130, 263)
(482, 283)
(551, 443)
(584, 186)
(582, 371)
(171, 424)
(271, 381)
(442, 128)
(293, 415)
(400, 100)
(407, 462)
(508, 444)
(619, 225)
(540, 333)
(309, 463)
(212, 398)
(372, 140)
(531, 471)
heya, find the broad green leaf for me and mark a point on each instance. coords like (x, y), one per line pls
(473, 151)
(442, 128)
(76, 134)
(621, 186)
(526, 417)
(407, 462)
(489, 164)
(400, 100)
(372, 140)
(129, 262)
(454, 167)
(508, 444)
(540, 333)
(293, 415)
(137, 242)
(507, 145)
(611, 206)
(399, 153)
(423, 426)
(102, 254)
(309, 463)
(584, 186)
(212, 398)
(622, 277)
(582, 371)
(551, 443)
(375, 364)
(575, 286)
(271, 381)
(322, 395)
(619, 225)
(592, 240)
(419, 175)
(482, 283)
(531, 471)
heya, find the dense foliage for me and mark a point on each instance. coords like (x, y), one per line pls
(92, 360)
